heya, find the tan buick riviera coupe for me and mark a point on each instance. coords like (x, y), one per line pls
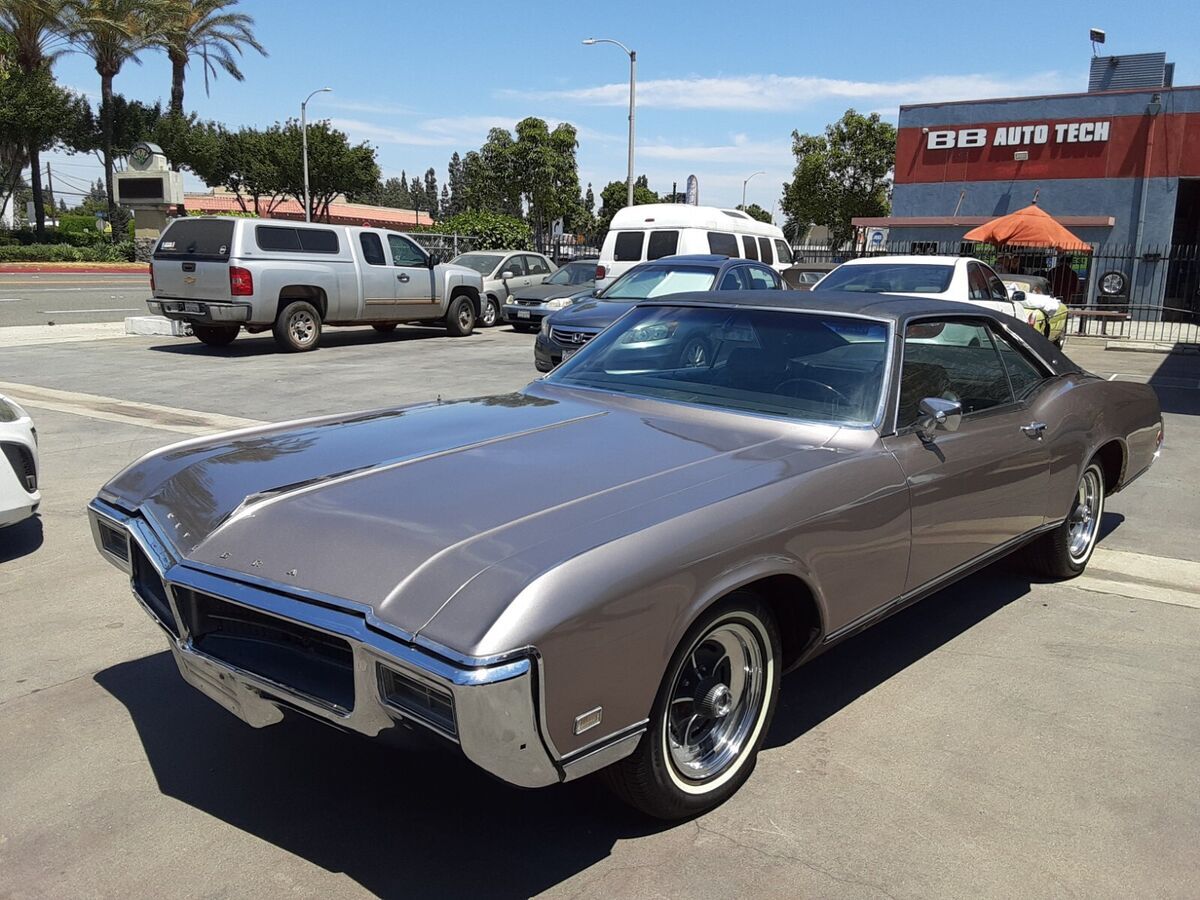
(659, 539)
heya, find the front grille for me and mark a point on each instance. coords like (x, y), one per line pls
(21, 459)
(415, 698)
(521, 302)
(149, 586)
(571, 336)
(310, 662)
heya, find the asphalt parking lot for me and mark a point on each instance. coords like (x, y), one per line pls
(34, 298)
(1002, 738)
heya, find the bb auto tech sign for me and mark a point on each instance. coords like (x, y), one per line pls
(1019, 135)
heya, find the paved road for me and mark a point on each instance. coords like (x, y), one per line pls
(28, 298)
(1002, 738)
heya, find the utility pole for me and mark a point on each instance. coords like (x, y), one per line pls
(50, 190)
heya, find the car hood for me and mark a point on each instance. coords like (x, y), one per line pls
(401, 510)
(552, 291)
(455, 269)
(594, 313)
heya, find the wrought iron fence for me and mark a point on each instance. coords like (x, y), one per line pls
(445, 246)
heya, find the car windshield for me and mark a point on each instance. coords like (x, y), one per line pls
(894, 278)
(574, 273)
(483, 263)
(812, 366)
(659, 281)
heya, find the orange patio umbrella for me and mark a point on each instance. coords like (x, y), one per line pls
(1028, 227)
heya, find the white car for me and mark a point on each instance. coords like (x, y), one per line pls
(19, 495)
(958, 278)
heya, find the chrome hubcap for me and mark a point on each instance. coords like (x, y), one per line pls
(695, 355)
(464, 317)
(1085, 517)
(489, 314)
(303, 327)
(715, 702)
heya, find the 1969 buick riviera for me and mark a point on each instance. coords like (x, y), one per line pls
(658, 540)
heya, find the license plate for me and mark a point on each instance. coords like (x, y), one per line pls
(522, 314)
(567, 354)
(193, 308)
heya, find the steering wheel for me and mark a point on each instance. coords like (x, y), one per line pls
(838, 395)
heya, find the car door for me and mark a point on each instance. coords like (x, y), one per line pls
(537, 269)
(414, 278)
(983, 485)
(378, 277)
(517, 279)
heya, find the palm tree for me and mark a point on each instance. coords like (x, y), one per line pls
(37, 34)
(112, 33)
(208, 29)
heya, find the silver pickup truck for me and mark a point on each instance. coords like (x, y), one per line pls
(225, 274)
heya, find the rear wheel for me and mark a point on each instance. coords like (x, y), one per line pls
(491, 313)
(298, 327)
(216, 335)
(1065, 551)
(385, 327)
(460, 318)
(711, 714)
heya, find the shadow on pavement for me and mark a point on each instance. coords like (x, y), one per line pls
(20, 539)
(1177, 383)
(263, 344)
(416, 820)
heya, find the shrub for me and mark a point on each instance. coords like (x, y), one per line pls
(122, 252)
(492, 231)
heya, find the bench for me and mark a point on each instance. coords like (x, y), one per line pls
(1104, 315)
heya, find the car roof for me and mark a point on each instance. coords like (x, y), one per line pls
(909, 260)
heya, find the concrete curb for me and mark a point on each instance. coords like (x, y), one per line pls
(80, 269)
(1151, 347)
(157, 325)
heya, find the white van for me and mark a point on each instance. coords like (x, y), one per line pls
(654, 230)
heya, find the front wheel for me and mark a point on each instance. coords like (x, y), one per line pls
(1065, 551)
(460, 318)
(710, 716)
(385, 327)
(491, 313)
(216, 335)
(298, 327)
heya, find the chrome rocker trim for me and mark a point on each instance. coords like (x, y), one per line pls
(496, 714)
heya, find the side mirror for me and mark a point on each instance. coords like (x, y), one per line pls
(938, 414)
(595, 292)
(505, 275)
(545, 279)
(432, 260)
(1018, 296)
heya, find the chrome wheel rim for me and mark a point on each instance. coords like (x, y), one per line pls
(715, 702)
(1085, 516)
(695, 354)
(302, 327)
(490, 314)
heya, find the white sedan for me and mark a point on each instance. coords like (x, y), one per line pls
(19, 495)
(958, 278)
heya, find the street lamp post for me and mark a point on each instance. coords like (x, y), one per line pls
(746, 182)
(632, 94)
(304, 145)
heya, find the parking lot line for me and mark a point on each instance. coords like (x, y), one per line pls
(66, 311)
(125, 412)
(1141, 576)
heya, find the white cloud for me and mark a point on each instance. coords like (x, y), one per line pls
(368, 106)
(383, 134)
(782, 92)
(468, 132)
(742, 149)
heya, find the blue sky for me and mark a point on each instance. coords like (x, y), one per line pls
(721, 86)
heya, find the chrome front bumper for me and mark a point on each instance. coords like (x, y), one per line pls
(494, 703)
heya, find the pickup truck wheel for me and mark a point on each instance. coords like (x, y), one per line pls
(711, 714)
(216, 335)
(491, 313)
(460, 318)
(1065, 551)
(298, 327)
(385, 327)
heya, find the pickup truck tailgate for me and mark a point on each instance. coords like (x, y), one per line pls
(191, 260)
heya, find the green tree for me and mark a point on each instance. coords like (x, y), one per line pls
(334, 166)
(843, 173)
(454, 181)
(499, 189)
(547, 174)
(112, 33)
(755, 211)
(36, 36)
(207, 29)
(395, 193)
(615, 195)
(431, 193)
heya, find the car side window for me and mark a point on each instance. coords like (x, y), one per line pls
(750, 247)
(405, 252)
(514, 264)
(762, 279)
(535, 265)
(783, 252)
(735, 280)
(628, 246)
(764, 250)
(995, 286)
(723, 244)
(372, 249)
(977, 283)
(662, 243)
(1022, 372)
(953, 361)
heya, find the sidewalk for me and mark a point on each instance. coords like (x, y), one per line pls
(67, 268)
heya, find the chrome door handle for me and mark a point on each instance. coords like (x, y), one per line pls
(1034, 429)
(403, 278)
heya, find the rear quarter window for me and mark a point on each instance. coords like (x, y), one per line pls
(628, 246)
(196, 239)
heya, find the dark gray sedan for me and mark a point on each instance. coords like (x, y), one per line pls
(527, 306)
(658, 542)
